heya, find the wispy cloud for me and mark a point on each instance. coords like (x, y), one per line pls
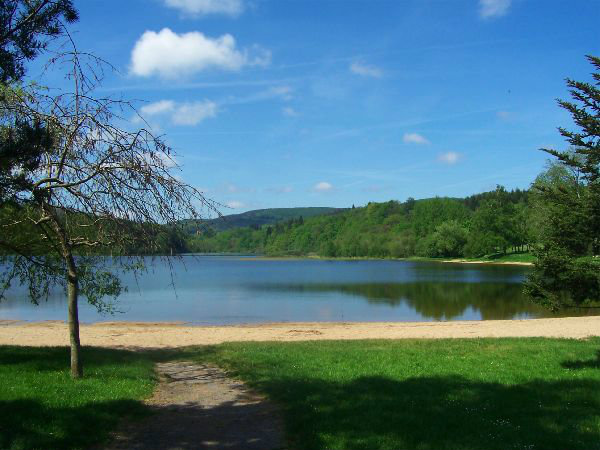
(275, 92)
(184, 114)
(199, 85)
(159, 107)
(205, 7)
(235, 204)
(323, 186)
(449, 158)
(365, 70)
(493, 8)
(171, 55)
(414, 138)
(289, 111)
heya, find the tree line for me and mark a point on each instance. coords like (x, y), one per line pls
(493, 222)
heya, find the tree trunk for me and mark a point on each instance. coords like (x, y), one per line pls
(72, 292)
(73, 319)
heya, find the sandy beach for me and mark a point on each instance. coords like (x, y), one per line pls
(167, 335)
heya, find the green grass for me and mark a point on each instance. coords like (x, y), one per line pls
(41, 407)
(427, 394)
(409, 394)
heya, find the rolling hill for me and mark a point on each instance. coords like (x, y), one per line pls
(258, 217)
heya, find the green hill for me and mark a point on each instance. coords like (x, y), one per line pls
(257, 218)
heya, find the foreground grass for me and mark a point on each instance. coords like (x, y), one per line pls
(426, 394)
(42, 408)
(409, 394)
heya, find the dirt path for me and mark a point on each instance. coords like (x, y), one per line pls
(199, 407)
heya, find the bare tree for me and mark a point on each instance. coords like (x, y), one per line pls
(100, 187)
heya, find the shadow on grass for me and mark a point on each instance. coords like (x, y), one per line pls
(438, 413)
(29, 424)
(42, 408)
(583, 364)
(57, 358)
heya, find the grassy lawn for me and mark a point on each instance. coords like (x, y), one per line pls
(42, 408)
(409, 394)
(419, 394)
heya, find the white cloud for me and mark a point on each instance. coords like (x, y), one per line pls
(289, 111)
(171, 55)
(449, 158)
(185, 114)
(235, 204)
(493, 8)
(193, 113)
(414, 138)
(159, 107)
(323, 186)
(204, 7)
(365, 70)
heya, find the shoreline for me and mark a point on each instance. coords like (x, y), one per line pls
(504, 263)
(140, 335)
(366, 258)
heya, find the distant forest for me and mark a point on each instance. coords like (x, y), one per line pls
(482, 224)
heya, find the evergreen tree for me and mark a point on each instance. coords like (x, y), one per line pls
(26, 27)
(567, 271)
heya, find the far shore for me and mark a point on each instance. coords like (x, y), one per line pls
(467, 261)
(170, 335)
(366, 258)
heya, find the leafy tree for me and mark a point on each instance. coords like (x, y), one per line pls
(97, 189)
(567, 271)
(448, 240)
(493, 226)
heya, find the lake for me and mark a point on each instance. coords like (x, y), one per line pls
(235, 290)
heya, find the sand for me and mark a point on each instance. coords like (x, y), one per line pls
(168, 335)
(489, 263)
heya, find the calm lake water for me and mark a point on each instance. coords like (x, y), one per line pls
(231, 290)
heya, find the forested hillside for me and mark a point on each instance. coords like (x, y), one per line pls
(256, 218)
(482, 224)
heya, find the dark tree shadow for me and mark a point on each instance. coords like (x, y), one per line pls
(24, 424)
(229, 425)
(28, 423)
(57, 358)
(439, 413)
(583, 364)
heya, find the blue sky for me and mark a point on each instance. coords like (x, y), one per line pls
(331, 103)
